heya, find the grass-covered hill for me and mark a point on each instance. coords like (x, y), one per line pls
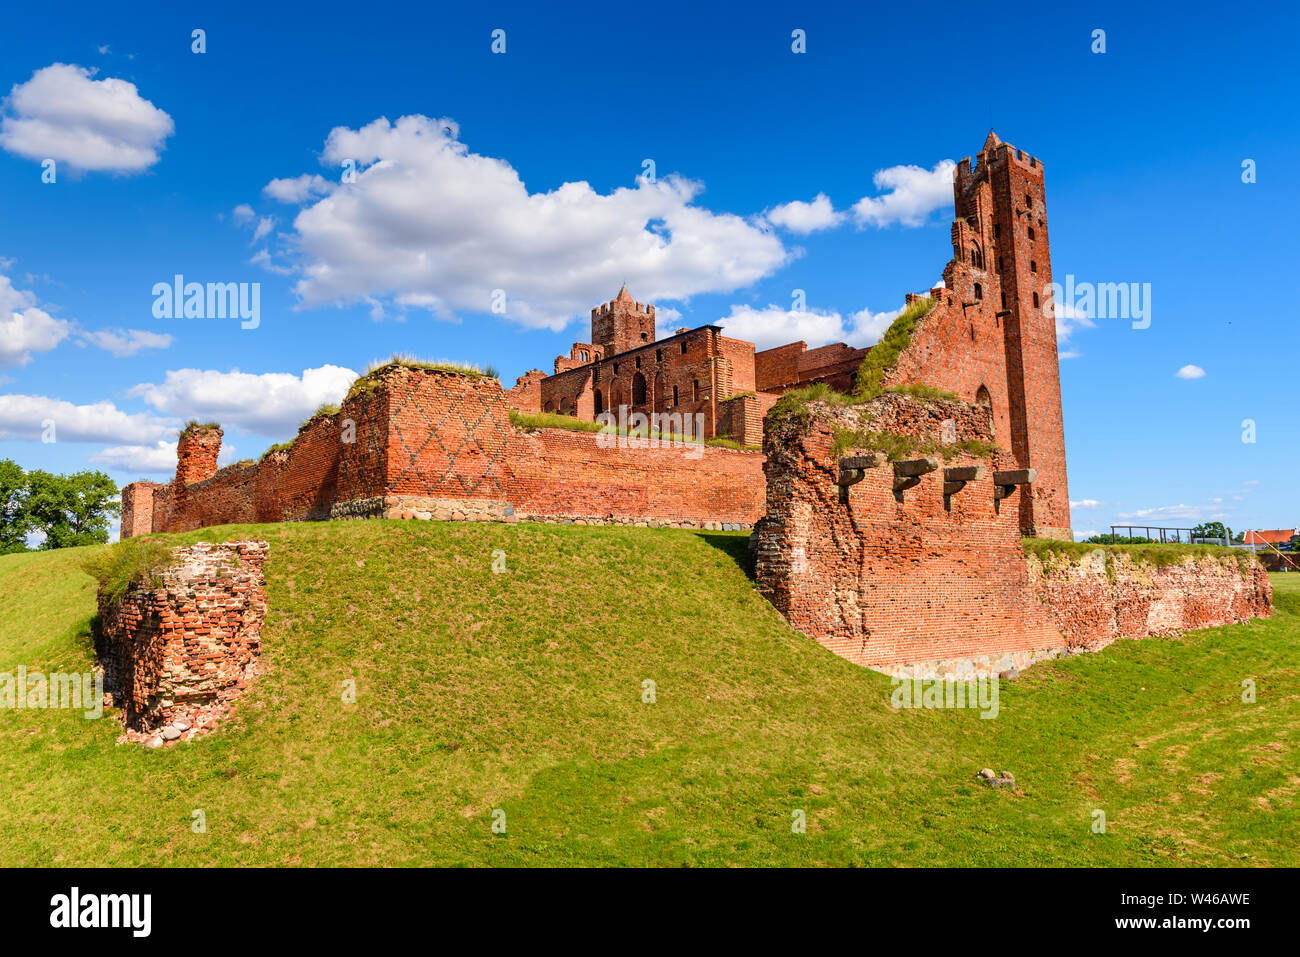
(522, 692)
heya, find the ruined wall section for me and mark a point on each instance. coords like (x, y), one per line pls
(175, 656)
(889, 584)
(436, 444)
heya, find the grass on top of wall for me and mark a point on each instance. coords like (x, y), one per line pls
(1156, 554)
(519, 691)
(371, 378)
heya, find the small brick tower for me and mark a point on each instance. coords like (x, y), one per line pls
(196, 453)
(622, 324)
(1001, 227)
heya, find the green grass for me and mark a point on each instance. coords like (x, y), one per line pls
(522, 691)
(883, 356)
(370, 380)
(136, 561)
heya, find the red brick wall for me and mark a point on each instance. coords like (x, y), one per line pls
(137, 508)
(557, 473)
(794, 365)
(1110, 595)
(425, 437)
(196, 454)
(886, 584)
(526, 396)
(175, 656)
(914, 587)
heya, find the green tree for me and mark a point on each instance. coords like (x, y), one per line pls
(1215, 530)
(71, 509)
(15, 523)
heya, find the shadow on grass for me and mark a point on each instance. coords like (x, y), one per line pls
(735, 545)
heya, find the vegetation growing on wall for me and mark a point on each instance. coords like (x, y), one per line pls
(136, 561)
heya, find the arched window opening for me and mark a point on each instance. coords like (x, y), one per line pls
(638, 389)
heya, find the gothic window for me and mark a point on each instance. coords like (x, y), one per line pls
(638, 389)
(659, 355)
(982, 397)
(683, 347)
(1033, 266)
(1035, 300)
(979, 291)
(600, 402)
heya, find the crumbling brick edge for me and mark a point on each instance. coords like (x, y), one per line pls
(176, 656)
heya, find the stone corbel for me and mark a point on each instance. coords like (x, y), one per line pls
(1005, 484)
(853, 468)
(908, 472)
(955, 479)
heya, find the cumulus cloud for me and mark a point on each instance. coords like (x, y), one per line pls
(158, 458)
(1085, 503)
(24, 327)
(127, 342)
(271, 404)
(62, 113)
(804, 218)
(298, 189)
(911, 194)
(426, 221)
(776, 326)
(27, 416)
(1190, 372)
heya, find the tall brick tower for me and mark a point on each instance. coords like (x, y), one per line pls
(622, 324)
(1002, 216)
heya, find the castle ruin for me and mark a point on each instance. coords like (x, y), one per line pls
(888, 528)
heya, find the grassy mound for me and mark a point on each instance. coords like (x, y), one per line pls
(522, 691)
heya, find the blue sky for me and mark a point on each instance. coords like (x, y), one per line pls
(523, 171)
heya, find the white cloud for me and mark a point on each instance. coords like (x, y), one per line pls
(1069, 354)
(912, 194)
(1196, 513)
(271, 403)
(25, 328)
(61, 113)
(25, 417)
(159, 457)
(426, 218)
(298, 189)
(264, 226)
(776, 326)
(804, 218)
(1190, 372)
(1085, 503)
(127, 342)
(243, 213)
